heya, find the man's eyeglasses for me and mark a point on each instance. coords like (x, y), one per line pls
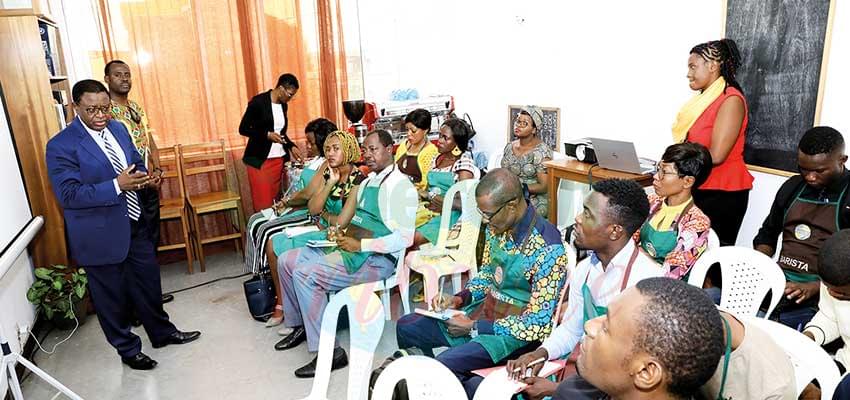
(488, 216)
(521, 124)
(290, 95)
(105, 110)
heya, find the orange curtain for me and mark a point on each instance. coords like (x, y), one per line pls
(197, 63)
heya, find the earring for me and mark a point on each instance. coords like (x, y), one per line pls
(456, 151)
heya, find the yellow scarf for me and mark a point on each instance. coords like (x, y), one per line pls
(666, 215)
(694, 108)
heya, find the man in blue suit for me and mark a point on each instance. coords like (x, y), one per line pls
(95, 172)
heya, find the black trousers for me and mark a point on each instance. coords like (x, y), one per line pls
(725, 210)
(132, 285)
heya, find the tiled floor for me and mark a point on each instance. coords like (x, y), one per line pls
(233, 359)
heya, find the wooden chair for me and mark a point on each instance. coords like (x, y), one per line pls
(175, 207)
(213, 158)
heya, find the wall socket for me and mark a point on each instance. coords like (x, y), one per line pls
(23, 333)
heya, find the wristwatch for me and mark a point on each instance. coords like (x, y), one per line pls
(474, 331)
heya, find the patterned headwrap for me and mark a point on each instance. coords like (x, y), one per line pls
(349, 145)
(536, 115)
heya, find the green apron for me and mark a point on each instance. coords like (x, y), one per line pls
(508, 295)
(807, 224)
(591, 310)
(366, 223)
(660, 243)
(439, 182)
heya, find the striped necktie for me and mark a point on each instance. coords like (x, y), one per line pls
(132, 199)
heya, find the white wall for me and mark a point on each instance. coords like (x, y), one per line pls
(616, 69)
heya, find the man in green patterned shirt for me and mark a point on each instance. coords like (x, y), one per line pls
(119, 80)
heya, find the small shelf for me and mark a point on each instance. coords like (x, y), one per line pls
(58, 78)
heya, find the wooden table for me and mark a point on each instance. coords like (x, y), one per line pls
(577, 171)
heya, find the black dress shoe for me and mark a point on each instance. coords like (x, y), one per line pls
(340, 360)
(295, 338)
(178, 338)
(167, 298)
(140, 361)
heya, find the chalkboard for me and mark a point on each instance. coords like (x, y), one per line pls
(550, 133)
(782, 45)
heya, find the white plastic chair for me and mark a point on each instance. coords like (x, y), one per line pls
(747, 274)
(810, 360)
(448, 256)
(713, 240)
(366, 326)
(426, 379)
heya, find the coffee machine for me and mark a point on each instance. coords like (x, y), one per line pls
(354, 111)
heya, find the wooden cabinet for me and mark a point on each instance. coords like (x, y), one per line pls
(28, 88)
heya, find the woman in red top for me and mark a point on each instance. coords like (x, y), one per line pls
(717, 119)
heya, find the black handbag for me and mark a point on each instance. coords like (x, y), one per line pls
(259, 293)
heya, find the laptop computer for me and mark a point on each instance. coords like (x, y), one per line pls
(619, 156)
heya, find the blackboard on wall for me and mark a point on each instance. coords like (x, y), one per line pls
(550, 133)
(782, 46)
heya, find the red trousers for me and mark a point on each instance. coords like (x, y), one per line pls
(265, 182)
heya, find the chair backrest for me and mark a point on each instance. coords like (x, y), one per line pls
(810, 360)
(748, 276)
(366, 326)
(211, 155)
(713, 240)
(426, 379)
(169, 161)
(470, 223)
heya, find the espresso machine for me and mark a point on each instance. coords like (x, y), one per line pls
(354, 111)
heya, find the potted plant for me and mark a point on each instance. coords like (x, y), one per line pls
(59, 293)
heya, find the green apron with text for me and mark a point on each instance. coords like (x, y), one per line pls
(366, 223)
(591, 310)
(660, 243)
(508, 295)
(439, 182)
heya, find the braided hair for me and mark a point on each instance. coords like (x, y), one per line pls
(725, 52)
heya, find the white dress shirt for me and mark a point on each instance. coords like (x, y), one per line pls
(605, 285)
(122, 159)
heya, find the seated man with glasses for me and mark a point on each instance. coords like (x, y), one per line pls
(676, 232)
(508, 307)
(612, 213)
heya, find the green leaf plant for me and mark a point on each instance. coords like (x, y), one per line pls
(56, 289)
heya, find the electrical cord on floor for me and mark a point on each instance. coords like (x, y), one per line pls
(208, 283)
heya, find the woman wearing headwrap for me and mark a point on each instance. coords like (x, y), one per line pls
(717, 119)
(340, 178)
(525, 156)
(416, 153)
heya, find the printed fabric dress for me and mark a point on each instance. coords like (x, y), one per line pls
(526, 167)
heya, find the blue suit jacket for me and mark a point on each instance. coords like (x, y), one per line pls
(96, 220)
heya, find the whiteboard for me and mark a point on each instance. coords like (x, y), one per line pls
(15, 210)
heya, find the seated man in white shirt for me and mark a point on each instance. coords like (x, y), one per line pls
(381, 218)
(833, 317)
(612, 212)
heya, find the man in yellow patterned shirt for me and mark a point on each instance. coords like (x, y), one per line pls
(119, 80)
